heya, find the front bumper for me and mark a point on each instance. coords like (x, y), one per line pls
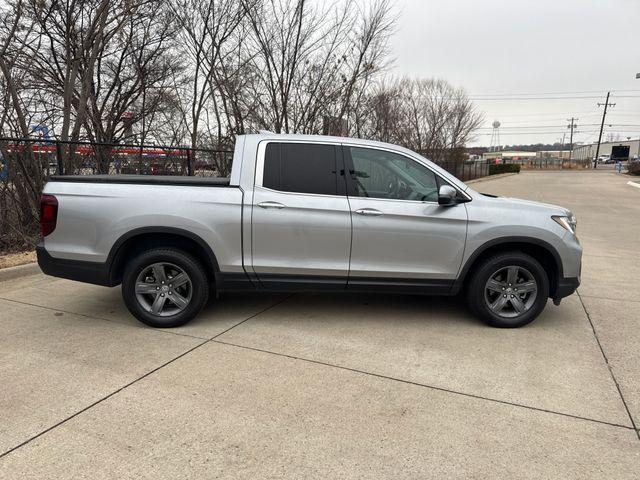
(566, 286)
(570, 252)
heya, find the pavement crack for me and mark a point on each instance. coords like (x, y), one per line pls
(136, 380)
(253, 316)
(424, 385)
(93, 317)
(606, 361)
(65, 420)
(609, 298)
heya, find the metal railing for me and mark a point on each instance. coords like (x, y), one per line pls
(57, 157)
(470, 170)
(546, 163)
(466, 170)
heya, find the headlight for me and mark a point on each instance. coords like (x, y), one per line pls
(568, 222)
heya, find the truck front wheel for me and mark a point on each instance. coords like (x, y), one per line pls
(508, 290)
(164, 287)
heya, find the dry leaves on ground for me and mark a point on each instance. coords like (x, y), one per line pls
(14, 259)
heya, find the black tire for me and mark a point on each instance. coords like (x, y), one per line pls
(198, 287)
(479, 301)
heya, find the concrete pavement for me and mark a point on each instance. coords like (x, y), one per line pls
(326, 386)
(608, 212)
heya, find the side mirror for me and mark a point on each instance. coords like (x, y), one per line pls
(447, 195)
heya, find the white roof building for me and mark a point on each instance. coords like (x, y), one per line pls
(588, 152)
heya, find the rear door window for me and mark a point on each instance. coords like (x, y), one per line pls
(301, 168)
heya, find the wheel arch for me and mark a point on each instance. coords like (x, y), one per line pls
(145, 238)
(542, 251)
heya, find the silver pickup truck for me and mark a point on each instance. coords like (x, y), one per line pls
(303, 213)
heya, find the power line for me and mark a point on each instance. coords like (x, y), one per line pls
(527, 126)
(548, 93)
(511, 99)
(529, 133)
(637, 114)
(519, 127)
(547, 114)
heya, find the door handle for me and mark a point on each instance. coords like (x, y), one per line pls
(371, 212)
(271, 205)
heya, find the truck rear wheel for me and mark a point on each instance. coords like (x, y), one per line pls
(508, 290)
(164, 287)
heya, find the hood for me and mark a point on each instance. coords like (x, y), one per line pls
(524, 205)
(531, 204)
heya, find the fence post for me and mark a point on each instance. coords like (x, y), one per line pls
(60, 159)
(189, 166)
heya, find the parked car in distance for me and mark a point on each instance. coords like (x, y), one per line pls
(303, 213)
(605, 159)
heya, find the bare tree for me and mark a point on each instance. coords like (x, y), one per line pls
(310, 61)
(72, 35)
(22, 171)
(207, 31)
(429, 116)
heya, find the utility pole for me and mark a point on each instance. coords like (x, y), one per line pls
(571, 126)
(638, 156)
(604, 114)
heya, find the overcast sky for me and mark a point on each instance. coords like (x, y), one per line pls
(494, 48)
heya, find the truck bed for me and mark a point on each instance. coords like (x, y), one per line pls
(146, 180)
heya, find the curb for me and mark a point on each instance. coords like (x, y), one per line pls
(12, 273)
(490, 177)
(633, 184)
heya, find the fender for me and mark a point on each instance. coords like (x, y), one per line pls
(116, 252)
(457, 286)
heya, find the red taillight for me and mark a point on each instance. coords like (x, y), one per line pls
(48, 214)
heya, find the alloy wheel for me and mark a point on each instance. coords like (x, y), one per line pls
(163, 289)
(510, 291)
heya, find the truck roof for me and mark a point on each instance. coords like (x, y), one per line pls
(263, 135)
(258, 137)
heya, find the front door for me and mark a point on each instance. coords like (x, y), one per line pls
(301, 222)
(400, 233)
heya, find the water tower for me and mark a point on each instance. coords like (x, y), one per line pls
(495, 137)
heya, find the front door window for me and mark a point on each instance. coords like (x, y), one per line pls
(387, 175)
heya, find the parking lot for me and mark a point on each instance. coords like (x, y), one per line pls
(336, 386)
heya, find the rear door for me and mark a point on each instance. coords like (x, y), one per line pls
(301, 222)
(400, 234)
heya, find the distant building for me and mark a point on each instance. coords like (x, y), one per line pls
(564, 154)
(508, 155)
(588, 152)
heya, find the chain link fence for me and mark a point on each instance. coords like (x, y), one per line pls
(466, 170)
(549, 163)
(26, 165)
(55, 157)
